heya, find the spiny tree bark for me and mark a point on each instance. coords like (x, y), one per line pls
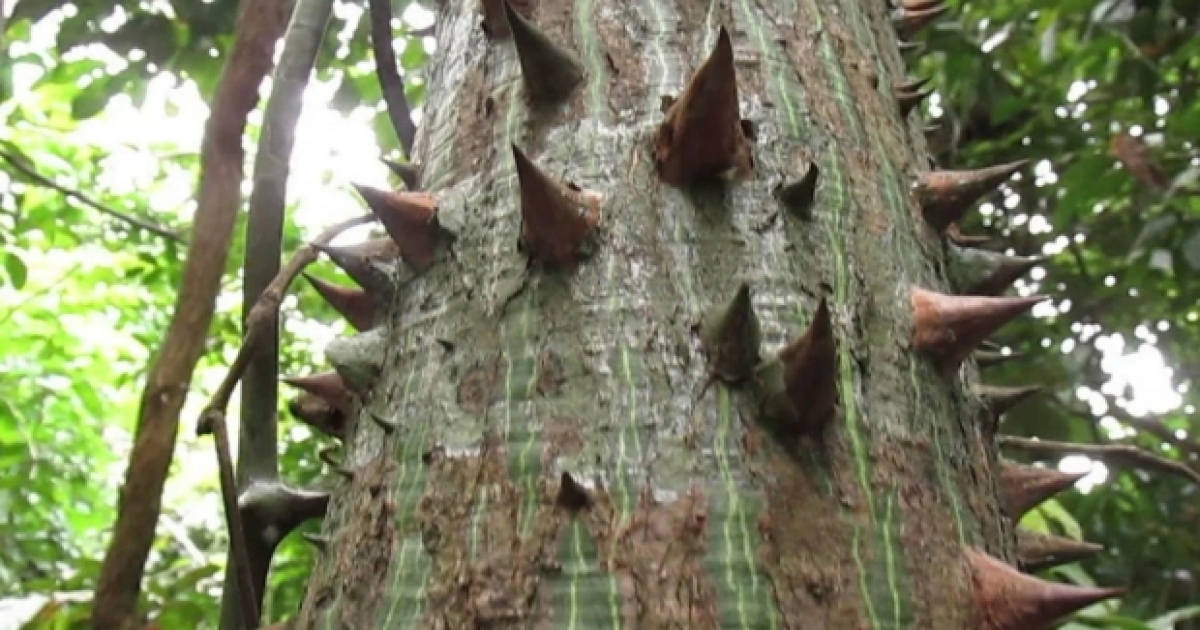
(670, 342)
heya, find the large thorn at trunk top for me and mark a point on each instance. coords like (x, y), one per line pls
(555, 219)
(950, 327)
(946, 195)
(703, 135)
(364, 262)
(1006, 599)
(410, 218)
(1025, 487)
(551, 72)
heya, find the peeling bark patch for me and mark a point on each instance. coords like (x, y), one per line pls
(475, 125)
(623, 58)
(658, 558)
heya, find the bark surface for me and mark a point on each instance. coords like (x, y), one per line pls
(469, 515)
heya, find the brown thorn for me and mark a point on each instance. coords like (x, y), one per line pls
(950, 327)
(344, 472)
(329, 386)
(810, 372)
(1024, 487)
(354, 304)
(1037, 551)
(1005, 271)
(798, 197)
(999, 400)
(360, 262)
(555, 220)
(327, 455)
(571, 495)
(954, 235)
(550, 71)
(702, 135)
(946, 195)
(909, 95)
(317, 413)
(410, 173)
(731, 337)
(387, 426)
(911, 21)
(410, 218)
(1006, 599)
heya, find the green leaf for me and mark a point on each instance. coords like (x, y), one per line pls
(16, 269)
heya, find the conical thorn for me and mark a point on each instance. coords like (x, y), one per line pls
(802, 402)
(954, 235)
(798, 197)
(327, 455)
(362, 262)
(344, 473)
(702, 135)
(550, 71)
(946, 195)
(1037, 551)
(1006, 271)
(1024, 487)
(329, 386)
(555, 220)
(388, 426)
(950, 327)
(910, 94)
(572, 495)
(999, 400)
(318, 541)
(356, 305)
(730, 338)
(911, 21)
(495, 22)
(989, 358)
(410, 174)
(1006, 599)
(318, 414)
(410, 218)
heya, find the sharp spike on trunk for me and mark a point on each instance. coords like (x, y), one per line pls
(950, 327)
(362, 263)
(909, 47)
(555, 220)
(911, 21)
(1006, 599)
(802, 393)
(1025, 487)
(356, 305)
(909, 95)
(344, 472)
(989, 358)
(984, 272)
(386, 425)
(318, 541)
(328, 386)
(954, 235)
(551, 72)
(410, 174)
(731, 338)
(1000, 399)
(572, 495)
(317, 413)
(702, 135)
(410, 218)
(946, 195)
(495, 22)
(1037, 551)
(327, 455)
(798, 197)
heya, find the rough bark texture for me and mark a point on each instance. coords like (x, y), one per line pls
(696, 516)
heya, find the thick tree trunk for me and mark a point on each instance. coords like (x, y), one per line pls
(503, 376)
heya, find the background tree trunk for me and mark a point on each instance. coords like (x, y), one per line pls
(697, 518)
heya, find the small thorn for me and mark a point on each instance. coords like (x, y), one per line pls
(386, 425)
(555, 219)
(989, 358)
(909, 47)
(318, 541)
(950, 327)
(731, 338)
(946, 195)
(1037, 551)
(344, 472)
(571, 495)
(701, 135)
(1006, 599)
(446, 344)
(410, 218)
(954, 235)
(327, 455)
(362, 262)
(356, 305)
(909, 95)
(551, 72)
(1001, 399)
(798, 197)
(806, 404)
(911, 21)
(329, 386)
(1025, 487)
(318, 414)
(410, 174)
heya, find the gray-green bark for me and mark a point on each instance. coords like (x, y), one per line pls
(698, 519)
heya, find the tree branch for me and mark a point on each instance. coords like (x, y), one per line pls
(259, 25)
(1117, 455)
(33, 175)
(388, 73)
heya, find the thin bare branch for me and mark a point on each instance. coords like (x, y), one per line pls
(34, 176)
(388, 73)
(1117, 455)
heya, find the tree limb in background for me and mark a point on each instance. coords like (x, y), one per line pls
(34, 176)
(257, 458)
(259, 25)
(390, 82)
(1115, 455)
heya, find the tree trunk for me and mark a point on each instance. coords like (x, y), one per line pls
(564, 456)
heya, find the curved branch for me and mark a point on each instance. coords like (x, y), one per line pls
(1117, 455)
(390, 82)
(259, 25)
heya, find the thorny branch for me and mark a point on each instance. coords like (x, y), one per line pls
(41, 180)
(390, 82)
(1118, 455)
